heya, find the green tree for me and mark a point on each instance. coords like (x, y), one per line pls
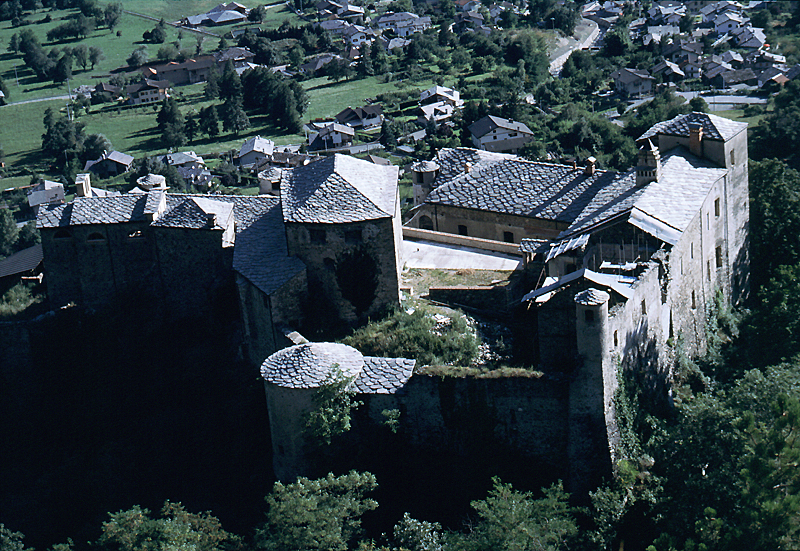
(333, 402)
(8, 233)
(230, 84)
(234, 119)
(211, 90)
(95, 55)
(94, 146)
(323, 514)
(171, 123)
(28, 236)
(209, 121)
(191, 127)
(11, 541)
(257, 14)
(81, 55)
(513, 520)
(112, 14)
(135, 530)
(138, 57)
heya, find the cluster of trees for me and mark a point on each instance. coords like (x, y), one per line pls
(284, 100)
(13, 238)
(326, 515)
(66, 143)
(54, 64)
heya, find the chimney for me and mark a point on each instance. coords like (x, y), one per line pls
(696, 138)
(83, 185)
(467, 168)
(574, 164)
(648, 168)
(212, 219)
(590, 168)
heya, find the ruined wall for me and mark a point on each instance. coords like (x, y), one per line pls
(487, 225)
(353, 270)
(495, 298)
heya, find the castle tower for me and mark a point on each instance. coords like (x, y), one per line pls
(291, 377)
(588, 446)
(423, 174)
(648, 168)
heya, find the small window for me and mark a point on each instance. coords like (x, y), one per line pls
(136, 234)
(719, 257)
(462, 230)
(95, 237)
(425, 222)
(508, 236)
(694, 301)
(691, 250)
(276, 186)
(644, 308)
(716, 207)
(62, 234)
(616, 338)
(318, 236)
(353, 236)
(265, 300)
(708, 269)
(588, 316)
(733, 157)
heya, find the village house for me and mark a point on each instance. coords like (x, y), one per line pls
(45, 192)
(500, 135)
(222, 14)
(632, 82)
(331, 136)
(148, 91)
(255, 150)
(361, 117)
(109, 164)
(197, 69)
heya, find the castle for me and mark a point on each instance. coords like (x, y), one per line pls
(618, 266)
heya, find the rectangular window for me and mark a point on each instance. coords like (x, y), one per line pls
(733, 157)
(694, 301)
(719, 257)
(462, 230)
(691, 250)
(318, 237)
(644, 308)
(508, 236)
(716, 207)
(352, 236)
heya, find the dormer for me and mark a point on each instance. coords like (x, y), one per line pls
(648, 168)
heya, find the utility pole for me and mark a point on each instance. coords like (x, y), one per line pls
(16, 75)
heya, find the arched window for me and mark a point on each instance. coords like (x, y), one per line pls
(425, 223)
(95, 237)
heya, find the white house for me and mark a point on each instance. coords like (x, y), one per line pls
(255, 149)
(499, 135)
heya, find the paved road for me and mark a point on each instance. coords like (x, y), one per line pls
(427, 255)
(51, 98)
(586, 32)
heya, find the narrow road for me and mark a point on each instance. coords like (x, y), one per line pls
(586, 33)
(51, 98)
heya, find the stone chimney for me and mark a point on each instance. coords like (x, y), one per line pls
(648, 168)
(574, 164)
(83, 185)
(696, 138)
(589, 170)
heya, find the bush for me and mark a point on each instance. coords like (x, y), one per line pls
(431, 339)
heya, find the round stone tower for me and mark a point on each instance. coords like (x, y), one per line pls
(588, 447)
(423, 175)
(290, 377)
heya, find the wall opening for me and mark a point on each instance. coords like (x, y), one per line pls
(718, 255)
(462, 230)
(694, 301)
(425, 222)
(716, 207)
(508, 236)
(95, 237)
(644, 308)
(616, 338)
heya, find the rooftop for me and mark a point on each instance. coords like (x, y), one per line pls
(714, 127)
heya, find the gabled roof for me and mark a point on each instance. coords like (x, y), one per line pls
(523, 188)
(488, 123)
(338, 189)
(197, 213)
(454, 161)
(258, 144)
(359, 113)
(714, 127)
(93, 210)
(181, 158)
(605, 280)
(434, 91)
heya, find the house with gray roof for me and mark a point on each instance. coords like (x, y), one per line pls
(632, 82)
(109, 164)
(498, 134)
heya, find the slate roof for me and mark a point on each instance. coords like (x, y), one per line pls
(338, 189)
(311, 365)
(93, 210)
(714, 127)
(523, 188)
(384, 375)
(197, 213)
(673, 200)
(592, 297)
(259, 144)
(453, 162)
(22, 261)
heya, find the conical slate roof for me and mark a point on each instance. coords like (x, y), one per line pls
(310, 365)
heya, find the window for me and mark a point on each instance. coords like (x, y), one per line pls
(694, 301)
(588, 316)
(691, 250)
(716, 207)
(644, 308)
(276, 186)
(62, 234)
(352, 236)
(733, 157)
(708, 269)
(616, 339)
(462, 230)
(95, 237)
(719, 257)
(425, 223)
(318, 237)
(508, 236)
